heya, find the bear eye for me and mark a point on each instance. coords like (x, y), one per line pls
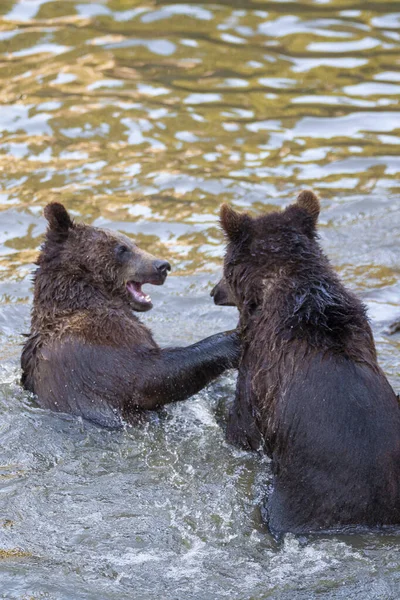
(122, 251)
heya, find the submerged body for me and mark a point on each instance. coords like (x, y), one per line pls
(87, 353)
(309, 391)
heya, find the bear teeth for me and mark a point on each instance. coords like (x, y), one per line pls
(135, 290)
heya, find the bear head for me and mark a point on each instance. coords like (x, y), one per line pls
(261, 249)
(79, 262)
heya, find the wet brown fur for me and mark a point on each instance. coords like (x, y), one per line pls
(87, 353)
(310, 391)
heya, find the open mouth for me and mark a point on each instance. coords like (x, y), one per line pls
(135, 290)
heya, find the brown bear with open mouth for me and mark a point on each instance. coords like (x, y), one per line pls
(310, 391)
(87, 353)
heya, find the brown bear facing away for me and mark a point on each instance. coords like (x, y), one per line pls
(87, 353)
(310, 391)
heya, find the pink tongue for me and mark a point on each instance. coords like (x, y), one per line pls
(135, 290)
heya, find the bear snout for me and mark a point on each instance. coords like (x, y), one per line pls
(222, 295)
(161, 268)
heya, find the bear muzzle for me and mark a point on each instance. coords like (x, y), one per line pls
(155, 275)
(222, 294)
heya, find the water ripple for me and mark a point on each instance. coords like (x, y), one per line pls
(143, 118)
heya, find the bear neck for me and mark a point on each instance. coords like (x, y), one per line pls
(307, 303)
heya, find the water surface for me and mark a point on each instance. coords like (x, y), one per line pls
(143, 118)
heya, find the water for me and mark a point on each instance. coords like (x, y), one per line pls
(143, 118)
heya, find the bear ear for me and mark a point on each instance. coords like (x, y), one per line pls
(309, 202)
(232, 222)
(58, 218)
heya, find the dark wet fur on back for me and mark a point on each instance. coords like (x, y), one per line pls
(309, 391)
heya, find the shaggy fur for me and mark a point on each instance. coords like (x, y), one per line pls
(310, 391)
(87, 353)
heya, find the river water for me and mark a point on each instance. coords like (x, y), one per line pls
(143, 118)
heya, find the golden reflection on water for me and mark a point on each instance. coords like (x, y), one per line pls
(148, 116)
(143, 117)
